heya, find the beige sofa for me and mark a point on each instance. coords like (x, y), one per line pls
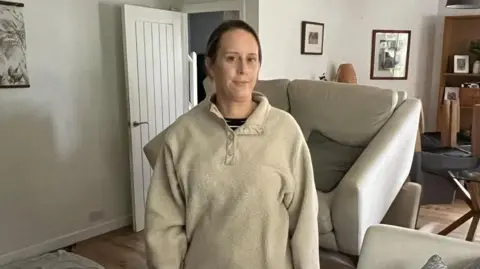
(384, 124)
(388, 247)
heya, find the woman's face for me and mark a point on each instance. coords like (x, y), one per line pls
(235, 69)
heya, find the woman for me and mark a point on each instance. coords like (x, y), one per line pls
(223, 197)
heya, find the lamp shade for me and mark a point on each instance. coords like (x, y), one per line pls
(346, 74)
(463, 4)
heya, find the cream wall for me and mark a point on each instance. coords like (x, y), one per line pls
(280, 31)
(413, 15)
(348, 33)
(64, 172)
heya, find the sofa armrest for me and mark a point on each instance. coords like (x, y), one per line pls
(370, 186)
(388, 246)
(404, 210)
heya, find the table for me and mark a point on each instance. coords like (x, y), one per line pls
(471, 195)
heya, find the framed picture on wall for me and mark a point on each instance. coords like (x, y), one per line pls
(312, 38)
(13, 47)
(390, 54)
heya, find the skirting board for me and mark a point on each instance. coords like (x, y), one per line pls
(65, 240)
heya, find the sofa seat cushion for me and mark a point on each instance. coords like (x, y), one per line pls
(328, 241)
(348, 113)
(331, 160)
(325, 225)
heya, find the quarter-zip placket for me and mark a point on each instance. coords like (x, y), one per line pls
(230, 147)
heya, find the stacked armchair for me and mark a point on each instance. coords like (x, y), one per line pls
(362, 141)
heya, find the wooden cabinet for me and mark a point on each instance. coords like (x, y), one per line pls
(459, 31)
(469, 97)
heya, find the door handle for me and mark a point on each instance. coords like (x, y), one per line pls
(136, 123)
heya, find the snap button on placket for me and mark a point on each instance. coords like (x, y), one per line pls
(243, 130)
(229, 158)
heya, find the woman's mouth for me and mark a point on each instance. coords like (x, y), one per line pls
(241, 82)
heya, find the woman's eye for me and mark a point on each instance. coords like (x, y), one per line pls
(230, 58)
(252, 60)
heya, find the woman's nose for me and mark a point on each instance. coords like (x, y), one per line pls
(241, 66)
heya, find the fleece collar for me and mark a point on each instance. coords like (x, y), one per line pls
(255, 123)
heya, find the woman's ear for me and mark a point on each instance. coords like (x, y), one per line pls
(209, 67)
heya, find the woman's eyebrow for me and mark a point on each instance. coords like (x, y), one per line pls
(237, 53)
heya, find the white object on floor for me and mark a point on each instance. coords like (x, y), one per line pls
(431, 227)
(56, 260)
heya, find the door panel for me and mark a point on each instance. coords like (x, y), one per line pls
(154, 58)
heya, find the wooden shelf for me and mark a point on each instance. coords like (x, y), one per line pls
(458, 32)
(461, 75)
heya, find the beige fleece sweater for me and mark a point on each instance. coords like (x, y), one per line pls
(224, 199)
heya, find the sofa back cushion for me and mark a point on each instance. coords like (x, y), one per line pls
(331, 160)
(276, 92)
(402, 96)
(346, 113)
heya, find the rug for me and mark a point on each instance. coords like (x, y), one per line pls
(55, 260)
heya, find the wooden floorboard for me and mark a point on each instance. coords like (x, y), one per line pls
(121, 249)
(443, 215)
(124, 249)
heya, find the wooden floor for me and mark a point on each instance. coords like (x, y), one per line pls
(443, 215)
(123, 249)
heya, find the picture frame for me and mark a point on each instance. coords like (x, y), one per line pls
(13, 48)
(390, 54)
(312, 38)
(461, 64)
(452, 93)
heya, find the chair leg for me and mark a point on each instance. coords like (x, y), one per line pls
(450, 228)
(473, 228)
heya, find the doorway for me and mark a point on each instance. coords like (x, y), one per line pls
(157, 45)
(200, 26)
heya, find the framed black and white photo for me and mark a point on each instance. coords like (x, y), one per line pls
(461, 64)
(452, 93)
(13, 48)
(390, 54)
(312, 38)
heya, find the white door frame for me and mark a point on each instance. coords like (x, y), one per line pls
(226, 5)
(191, 8)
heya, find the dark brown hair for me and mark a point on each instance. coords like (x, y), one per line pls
(213, 43)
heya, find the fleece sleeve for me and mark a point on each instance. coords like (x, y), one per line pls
(303, 211)
(166, 241)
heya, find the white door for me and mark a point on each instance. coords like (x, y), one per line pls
(157, 93)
